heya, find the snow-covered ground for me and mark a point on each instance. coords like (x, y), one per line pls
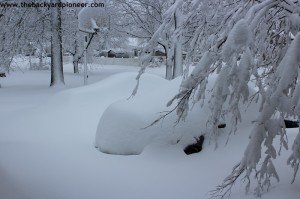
(47, 138)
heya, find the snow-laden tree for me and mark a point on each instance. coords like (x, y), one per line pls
(142, 18)
(72, 38)
(34, 27)
(22, 28)
(119, 26)
(139, 18)
(243, 41)
(169, 35)
(13, 34)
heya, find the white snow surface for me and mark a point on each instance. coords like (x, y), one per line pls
(47, 142)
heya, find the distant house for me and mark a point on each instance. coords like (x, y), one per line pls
(159, 53)
(103, 53)
(115, 54)
(111, 53)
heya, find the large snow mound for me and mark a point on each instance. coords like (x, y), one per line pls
(120, 128)
(122, 131)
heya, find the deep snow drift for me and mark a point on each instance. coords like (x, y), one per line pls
(47, 149)
(122, 131)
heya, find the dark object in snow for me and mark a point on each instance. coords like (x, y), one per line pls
(2, 75)
(291, 124)
(221, 126)
(195, 147)
(111, 53)
(159, 53)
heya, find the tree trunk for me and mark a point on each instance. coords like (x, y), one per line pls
(75, 64)
(57, 76)
(76, 57)
(41, 55)
(169, 67)
(178, 63)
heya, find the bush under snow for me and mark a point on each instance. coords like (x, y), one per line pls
(122, 131)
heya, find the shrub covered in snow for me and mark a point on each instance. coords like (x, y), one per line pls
(122, 127)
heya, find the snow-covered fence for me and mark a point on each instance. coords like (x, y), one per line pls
(116, 61)
(108, 61)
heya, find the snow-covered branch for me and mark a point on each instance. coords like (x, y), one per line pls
(243, 41)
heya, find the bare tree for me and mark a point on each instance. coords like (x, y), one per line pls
(72, 38)
(170, 35)
(25, 29)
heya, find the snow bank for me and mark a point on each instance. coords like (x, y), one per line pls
(122, 131)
